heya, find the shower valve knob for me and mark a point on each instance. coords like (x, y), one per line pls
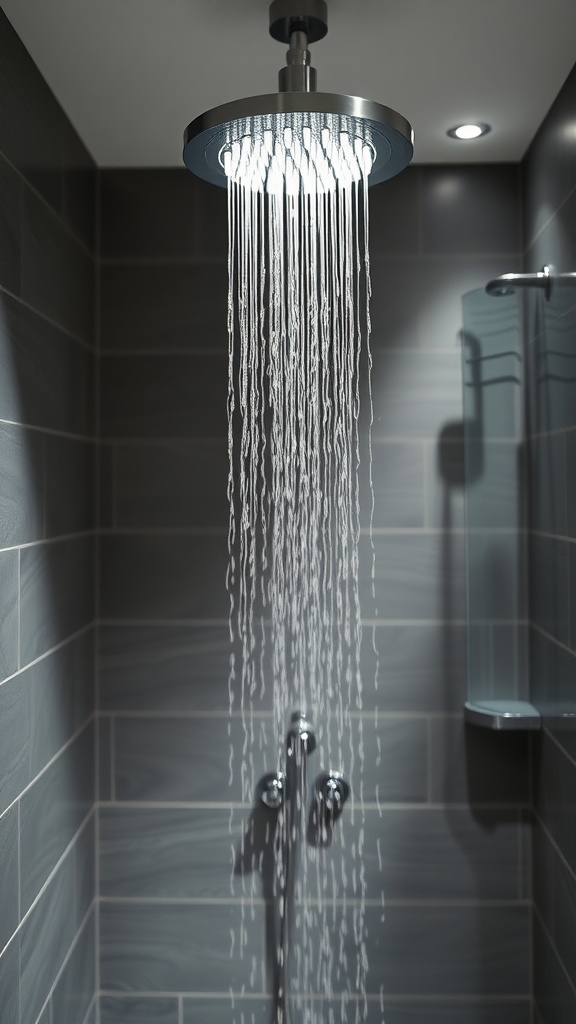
(332, 791)
(273, 790)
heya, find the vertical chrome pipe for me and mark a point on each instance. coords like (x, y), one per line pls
(300, 742)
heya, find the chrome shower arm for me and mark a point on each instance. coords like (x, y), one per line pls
(545, 279)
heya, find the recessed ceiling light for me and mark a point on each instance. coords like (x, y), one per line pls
(468, 131)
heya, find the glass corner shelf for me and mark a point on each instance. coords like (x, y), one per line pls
(503, 715)
(493, 405)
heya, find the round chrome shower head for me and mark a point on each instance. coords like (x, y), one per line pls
(390, 134)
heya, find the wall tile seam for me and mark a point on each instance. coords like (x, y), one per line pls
(240, 996)
(69, 851)
(375, 254)
(371, 806)
(162, 261)
(375, 716)
(223, 531)
(555, 213)
(220, 440)
(221, 353)
(84, 727)
(190, 901)
(64, 964)
(51, 431)
(46, 654)
(546, 434)
(48, 206)
(548, 636)
(47, 319)
(552, 842)
(123, 621)
(43, 542)
(571, 981)
(92, 1007)
(556, 742)
(566, 538)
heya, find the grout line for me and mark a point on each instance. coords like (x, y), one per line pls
(68, 851)
(43, 541)
(552, 944)
(548, 636)
(46, 654)
(112, 759)
(85, 725)
(565, 864)
(64, 964)
(50, 431)
(368, 805)
(559, 747)
(351, 901)
(55, 213)
(429, 757)
(224, 714)
(18, 621)
(180, 1009)
(47, 319)
(373, 997)
(144, 622)
(19, 825)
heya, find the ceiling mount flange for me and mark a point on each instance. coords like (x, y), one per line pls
(288, 16)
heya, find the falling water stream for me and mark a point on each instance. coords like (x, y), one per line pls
(299, 359)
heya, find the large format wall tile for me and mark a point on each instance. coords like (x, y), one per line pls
(57, 593)
(162, 947)
(149, 213)
(22, 475)
(52, 811)
(240, 1010)
(9, 984)
(73, 993)
(48, 377)
(45, 940)
(70, 486)
(471, 209)
(9, 613)
(157, 852)
(9, 906)
(170, 484)
(411, 576)
(160, 396)
(10, 225)
(164, 306)
(156, 576)
(165, 668)
(138, 1010)
(57, 273)
(415, 394)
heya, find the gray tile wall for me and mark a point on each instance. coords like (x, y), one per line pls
(549, 173)
(47, 557)
(446, 814)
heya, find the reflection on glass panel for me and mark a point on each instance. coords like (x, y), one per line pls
(493, 426)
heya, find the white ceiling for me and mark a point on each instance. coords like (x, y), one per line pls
(132, 73)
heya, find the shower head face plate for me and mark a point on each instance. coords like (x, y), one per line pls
(382, 131)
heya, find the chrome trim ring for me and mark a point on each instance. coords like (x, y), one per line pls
(391, 134)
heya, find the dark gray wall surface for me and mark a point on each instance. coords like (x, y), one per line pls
(47, 470)
(446, 812)
(549, 173)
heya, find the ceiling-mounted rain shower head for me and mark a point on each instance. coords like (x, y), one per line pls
(329, 138)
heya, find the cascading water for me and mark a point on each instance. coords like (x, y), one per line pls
(299, 358)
